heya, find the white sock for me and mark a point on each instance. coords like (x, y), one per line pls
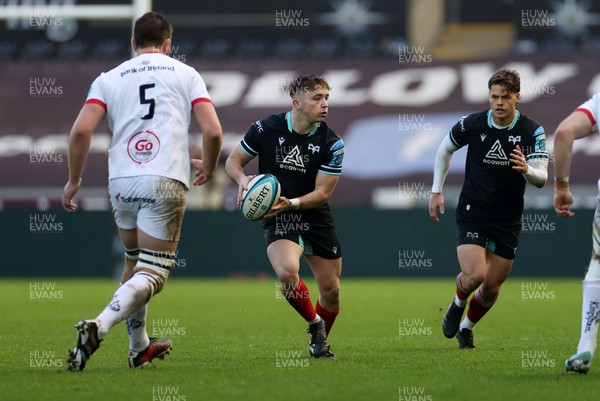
(466, 324)
(460, 302)
(590, 316)
(136, 328)
(131, 296)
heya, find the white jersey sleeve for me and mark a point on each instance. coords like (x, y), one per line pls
(95, 94)
(592, 109)
(148, 102)
(199, 91)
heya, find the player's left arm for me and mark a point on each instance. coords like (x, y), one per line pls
(80, 139)
(533, 165)
(212, 133)
(324, 186)
(212, 139)
(234, 167)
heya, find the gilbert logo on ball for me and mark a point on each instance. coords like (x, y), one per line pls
(143, 147)
(263, 192)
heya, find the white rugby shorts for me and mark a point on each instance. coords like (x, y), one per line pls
(152, 203)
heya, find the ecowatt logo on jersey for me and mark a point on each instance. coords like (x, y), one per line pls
(290, 158)
(496, 155)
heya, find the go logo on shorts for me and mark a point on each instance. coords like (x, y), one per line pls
(143, 147)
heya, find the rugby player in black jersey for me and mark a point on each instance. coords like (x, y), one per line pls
(506, 149)
(306, 156)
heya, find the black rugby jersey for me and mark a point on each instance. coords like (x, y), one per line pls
(295, 159)
(493, 191)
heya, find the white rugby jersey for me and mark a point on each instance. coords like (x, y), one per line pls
(148, 102)
(592, 108)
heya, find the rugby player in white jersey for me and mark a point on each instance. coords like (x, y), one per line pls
(148, 102)
(582, 122)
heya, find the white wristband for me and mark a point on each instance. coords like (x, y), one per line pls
(294, 203)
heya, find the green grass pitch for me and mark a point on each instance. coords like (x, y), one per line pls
(238, 340)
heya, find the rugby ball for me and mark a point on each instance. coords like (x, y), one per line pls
(262, 193)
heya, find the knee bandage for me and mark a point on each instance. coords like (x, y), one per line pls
(132, 254)
(156, 265)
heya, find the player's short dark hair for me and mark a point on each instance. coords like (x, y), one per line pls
(510, 79)
(151, 29)
(306, 83)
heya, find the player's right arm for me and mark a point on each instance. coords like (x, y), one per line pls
(443, 158)
(212, 137)
(248, 149)
(80, 139)
(577, 125)
(234, 166)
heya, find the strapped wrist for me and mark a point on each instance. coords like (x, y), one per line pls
(561, 183)
(294, 203)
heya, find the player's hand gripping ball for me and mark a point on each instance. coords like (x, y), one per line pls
(262, 193)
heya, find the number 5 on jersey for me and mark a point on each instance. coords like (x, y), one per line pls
(143, 100)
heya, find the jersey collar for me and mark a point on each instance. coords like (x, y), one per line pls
(491, 124)
(288, 118)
